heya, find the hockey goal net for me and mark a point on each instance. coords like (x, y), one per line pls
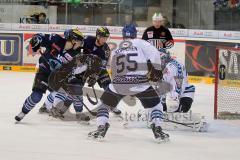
(227, 84)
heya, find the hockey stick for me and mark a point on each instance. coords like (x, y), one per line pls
(190, 125)
(91, 112)
(95, 95)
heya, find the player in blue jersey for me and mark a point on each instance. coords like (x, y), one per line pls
(95, 45)
(55, 54)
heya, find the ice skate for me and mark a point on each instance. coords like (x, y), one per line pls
(20, 116)
(100, 132)
(43, 109)
(56, 113)
(82, 117)
(159, 134)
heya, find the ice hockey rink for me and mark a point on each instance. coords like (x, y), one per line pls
(44, 138)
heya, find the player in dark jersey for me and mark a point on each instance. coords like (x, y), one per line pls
(55, 54)
(158, 35)
(95, 45)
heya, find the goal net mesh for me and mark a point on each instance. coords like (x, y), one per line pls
(227, 85)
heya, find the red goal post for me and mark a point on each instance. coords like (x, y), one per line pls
(227, 83)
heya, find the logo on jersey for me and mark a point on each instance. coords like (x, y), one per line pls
(125, 44)
(150, 34)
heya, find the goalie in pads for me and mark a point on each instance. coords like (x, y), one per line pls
(130, 77)
(182, 93)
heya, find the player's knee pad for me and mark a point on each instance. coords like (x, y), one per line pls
(36, 96)
(185, 104)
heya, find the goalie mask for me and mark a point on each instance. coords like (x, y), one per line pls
(165, 57)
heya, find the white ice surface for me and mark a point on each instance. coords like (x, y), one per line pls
(39, 137)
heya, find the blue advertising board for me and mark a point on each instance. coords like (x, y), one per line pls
(11, 48)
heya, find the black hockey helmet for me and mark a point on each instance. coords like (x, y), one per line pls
(36, 42)
(102, 32)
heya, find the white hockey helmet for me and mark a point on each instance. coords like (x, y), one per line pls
(157, 16)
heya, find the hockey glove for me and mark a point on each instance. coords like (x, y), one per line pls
(91, 81)
(153, 74)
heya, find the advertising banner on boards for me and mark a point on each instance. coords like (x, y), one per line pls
(11, 48)
(200, 56)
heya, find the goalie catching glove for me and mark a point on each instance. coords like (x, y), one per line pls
(153, 74)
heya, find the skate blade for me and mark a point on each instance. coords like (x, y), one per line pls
(17, 122)
(98, 139)
(160, 140)
(47, 113)
(56, 117)
(86, 123)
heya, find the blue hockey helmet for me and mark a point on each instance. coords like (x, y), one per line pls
(129, 31)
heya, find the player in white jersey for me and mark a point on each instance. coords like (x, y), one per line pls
(182, 92)
(133, 65)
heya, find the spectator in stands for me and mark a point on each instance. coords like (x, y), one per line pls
(108, 22)
(42, 18)
(86, 21)
(128, 20)
(179, 25)
(33, 19)
(165, 22)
